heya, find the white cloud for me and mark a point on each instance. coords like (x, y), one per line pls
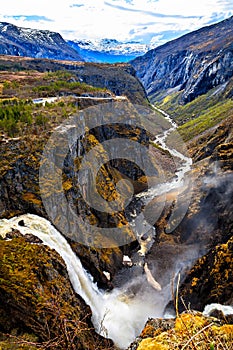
(120, 19)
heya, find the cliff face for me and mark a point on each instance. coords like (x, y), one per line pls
(210, 281)
(205, 231)
(119, 78)
(20, 192)
(193, 64)
(21, 156)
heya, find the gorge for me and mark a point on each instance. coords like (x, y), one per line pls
(168, 167)
(116, 314)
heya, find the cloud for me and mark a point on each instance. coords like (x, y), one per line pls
(31, 18)
(166, 36)
(150, 13)
(124, 20)
(216, 17)
(77, 5)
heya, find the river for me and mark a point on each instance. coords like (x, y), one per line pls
(119, 314)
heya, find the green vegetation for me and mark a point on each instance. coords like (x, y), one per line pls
(158, 147)
(20, 117)
(208, 119)
(62, 82)
(204, 112)
(14, 113)
(18, 114)
(32, 84)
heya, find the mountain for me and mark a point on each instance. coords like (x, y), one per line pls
(193, 63)
(29, 42)
(19, 41)
(108, 50)
(40, 305)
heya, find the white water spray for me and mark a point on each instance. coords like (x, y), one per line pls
(119, 314)
(115, 314)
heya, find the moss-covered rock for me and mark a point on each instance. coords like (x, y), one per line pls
(210, 279)
(188, 331)
(38, 305)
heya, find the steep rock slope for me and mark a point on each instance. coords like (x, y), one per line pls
(210, 280)
(19, 41)
(20, 192)
(207, 224)
(206, 231)
(193, 63)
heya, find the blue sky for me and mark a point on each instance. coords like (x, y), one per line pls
(147, 21)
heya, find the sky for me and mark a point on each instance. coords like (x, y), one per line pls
(152, 22)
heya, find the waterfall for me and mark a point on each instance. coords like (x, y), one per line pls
(119, 314)
(122, 313)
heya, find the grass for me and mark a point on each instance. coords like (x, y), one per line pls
(205, 121)
(192, 331)
(201, 114)
(32, 84)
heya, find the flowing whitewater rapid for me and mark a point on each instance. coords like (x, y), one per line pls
(122, 313)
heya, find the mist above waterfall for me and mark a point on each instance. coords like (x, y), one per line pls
(119, 314)
(145, 289)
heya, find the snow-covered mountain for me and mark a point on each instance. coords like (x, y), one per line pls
(108, 50)
(37, 43)
(29, 42)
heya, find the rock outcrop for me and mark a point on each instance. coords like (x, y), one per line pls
(193, 63)
(188, 330)
(210, 280)
(38, 306)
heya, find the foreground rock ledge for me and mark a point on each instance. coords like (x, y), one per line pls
(38, 305)
(189, 331)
